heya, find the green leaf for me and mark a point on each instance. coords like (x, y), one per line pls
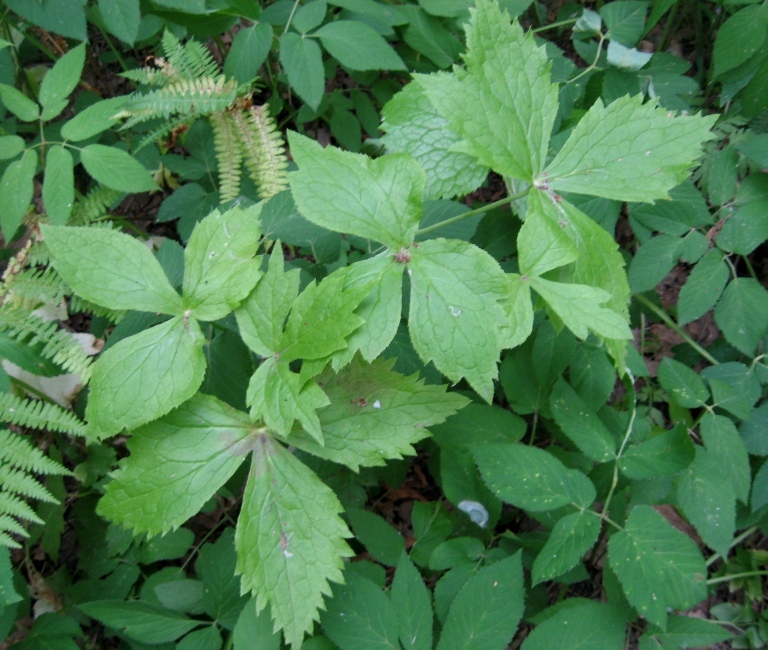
(248, 52)
(486, 611)
(16, 191)
(383, 542)
(302, 61)
(413, 125)
(739, 39)
(219, 267)
(504, 110)
(358, 47)
(760, 488)
(652, 261)
(685, 632)
(145, 376)
(582, 425)
(19, 104)
(209, 638)
(290, 538)
(8, 595)
(111, 269)
(742, 314)
(94, 119)
(116, 169)
(216, 568)
(60, 81)
(279, 397)
(58, 185)
(628, 151)
(377, 199)
(684, 384)
(580, 627)
(254, 627)
(176, 464)
(518, 310)
(455, 318)
(413, 607)
(531, 478)
(140, 621)
(579, 307)
(11, 146)
(376, 414)
(703, 287)
(657, 565)
(121, 18)
(360, 612)
(625, 20)
(65, 17)
(543, 245)
(707, 499)
(666, 454)
(571, 537)
(722, 441)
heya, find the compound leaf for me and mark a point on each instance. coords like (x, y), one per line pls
(60, 81)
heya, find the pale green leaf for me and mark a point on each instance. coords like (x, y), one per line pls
(144, 376)
(140, 621)
(683, 384)
(248, 52)
(518, 311)
(504, 105)
(579, 307)
(116, 169)
(219, 267)
(742, 314)
(376, 414)
(543, 246)
(455, 317)
(11, 146)
(412, 125)
(19, 104)
(60, 81)
(585, 626)
(666, 454)
(121, 18)
(290, 538)
(703, 287)
(94, 119)
(531, 478)
(111, 269)
(358, 47)
(486, 611)
(279, 397)
(629, 151)
(58, 185)
(571, 537)
(302, 61)
(16, 191)
(411, 600)
(723, 441)
(377, 199)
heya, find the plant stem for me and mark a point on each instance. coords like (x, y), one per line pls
(112, 47)
(560, 23)
(290, 18)
(736, 541)
(472, 213)
(673, 325)
(736, 576)
(629, 383)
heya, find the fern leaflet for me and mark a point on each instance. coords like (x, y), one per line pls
(39, 415)
(228, 154)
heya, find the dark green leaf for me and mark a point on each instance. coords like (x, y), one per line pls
(248, 52)
(742, 314)
(16, 190)
(116, 169)
(382, 541)
(121, 18)
(358, 47)
(663, 455)
(58, 185)
(585, 626)
(140, 621)
(411, 600)
(303, 64)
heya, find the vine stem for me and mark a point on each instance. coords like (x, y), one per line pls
(735, 576)
(673, 325)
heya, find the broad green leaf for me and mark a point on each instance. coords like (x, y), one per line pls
(359, 612)
(455, 317)
(412, 125)
(683, 383)
(625, 20)
(739, 39)
(65, 17)
(628, 151)
(144, 376)
(219, 267)
(16, 191)
(60, 81)
(652, 261)
(382, 541)
(571, 537)
(518, 311)
(531, 478)
(111, 269)
(584, 626)
(582, 425)
(657, 565)
(377, 199)
(302, 61)
(686, 209)
(504, 106)
(459, 550)
(140, 621)
(429, 37)
(170, 546)
(254, 627)
(708, 501)
(746, 227)
(121, 18)
(742, 314)
(357, 46)
(58, 185)
(290, 538)
(262, 315)
(309, 16)
(94, 119)
(413, 607)
(685, 632)
(760, 488)
(376, 414)
(543, 246)
(485, 613)
(278, 396)
(723, 442)
(666, 454)
(215, 566)
(579, 307)
(703, 287)
(248, 52)
(209, 638)
(116, 169)
(11, 146)
(19, 104)
(176, 464)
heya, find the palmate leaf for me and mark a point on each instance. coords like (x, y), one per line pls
(289, 538)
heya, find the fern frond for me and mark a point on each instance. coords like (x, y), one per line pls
(94, 205)
(81, 305)
(37, 286)
(189, 60)
(12, 526)
(38, 415)
(165, 129)
(57, 344)
(17, 451)
(12, 505)
(228, 154)
(24, 484)
(264, 149)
